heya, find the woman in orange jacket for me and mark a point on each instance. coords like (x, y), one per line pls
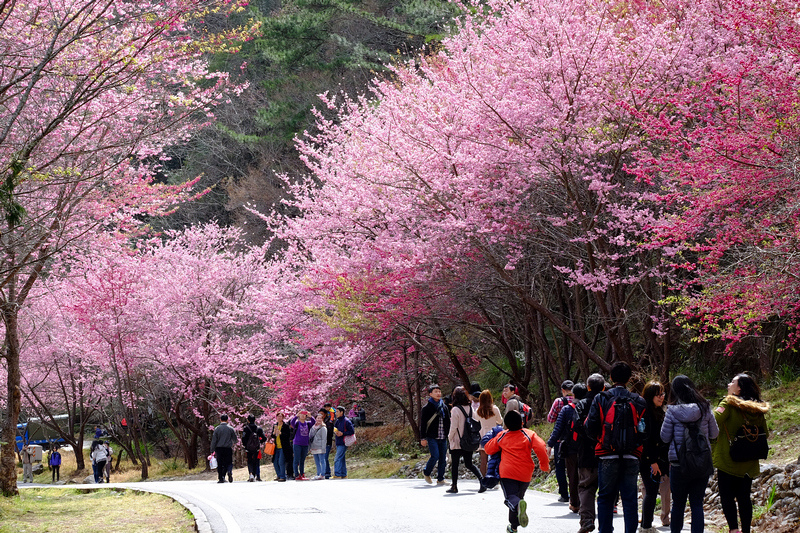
(515, 445)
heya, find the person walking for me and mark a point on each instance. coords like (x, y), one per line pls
(564, 437)
(302, 429)
(318, 438)
(687, 407)
(515, 446)
(615, 414)
(252, 439)
(741, 406)
(489, 416)
(654, 464)
(587, 460)
(342, 428)
(222, 441)
(434, 425)
(280, 437)
(458, 419)
(27, 463)
(560, 465)
(55, 464)
(511, 399)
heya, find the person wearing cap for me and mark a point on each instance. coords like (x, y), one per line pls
(434, 426)
(222, 442)
(552, 416)
(253, 459)
(302, 428)
(341, 428)
(516, 465)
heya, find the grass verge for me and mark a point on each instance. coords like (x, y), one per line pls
(67, 510)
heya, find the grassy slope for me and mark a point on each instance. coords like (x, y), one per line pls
(69, 510)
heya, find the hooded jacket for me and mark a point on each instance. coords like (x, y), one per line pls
(672, 430)
(730, 414)
(597, 411)
(516, 446)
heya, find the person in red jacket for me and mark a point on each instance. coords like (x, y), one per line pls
(516, 465)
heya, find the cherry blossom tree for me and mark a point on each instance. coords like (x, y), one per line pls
(499, 164)
(728, 160)
(91, 91)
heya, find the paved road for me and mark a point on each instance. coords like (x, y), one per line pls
(358, 506)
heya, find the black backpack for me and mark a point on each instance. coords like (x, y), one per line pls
(471, 438)
(622, 427)
(253, 443)
(694, 456)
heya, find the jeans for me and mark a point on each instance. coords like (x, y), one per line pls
(279, 462)
(339, 465)
(561, 471)
(438, 448)
(735, 490)
(513, 491)
(617, 476)
(327, 462)
(682, 488)
(319, 462)
(299, 461)
(100, 467)
(652, 485)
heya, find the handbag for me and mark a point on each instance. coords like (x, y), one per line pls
(269, 448)
(749, 443)
(212, 462)
(349, 440)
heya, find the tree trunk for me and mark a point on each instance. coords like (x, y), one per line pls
(8, 452)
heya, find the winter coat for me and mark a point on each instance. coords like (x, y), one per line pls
(248, 430)
(429, 420)
(730, 415)
(457, 422)
(284, 434)
(492, 476)
(344, 425)
(654, 449)
(672, 431)
(224, 437)
(516, 462)
(562, 432)
(585, 445)
(320, 436)
(600, 405)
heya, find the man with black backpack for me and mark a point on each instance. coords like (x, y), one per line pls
(561, 472)
(252, 439)
(615, 422)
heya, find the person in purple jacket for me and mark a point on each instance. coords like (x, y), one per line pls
(302, 427)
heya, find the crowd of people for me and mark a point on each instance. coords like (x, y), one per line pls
(289, 442)
(604, 439)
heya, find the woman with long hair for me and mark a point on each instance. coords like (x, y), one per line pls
(687, 406)
(489, 416)
(458, 418)
(654, 463)
(742, 404)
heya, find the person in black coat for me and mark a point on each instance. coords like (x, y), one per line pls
(329, 442)
(253, 455)
(587, 460)
(565, 437)
(654, 464)
(434, 426)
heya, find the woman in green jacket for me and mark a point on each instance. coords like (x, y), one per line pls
(735, 478)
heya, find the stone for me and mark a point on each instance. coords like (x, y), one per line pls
(38, 468)
(88, 480)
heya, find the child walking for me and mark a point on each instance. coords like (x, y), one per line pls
(517, 466)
